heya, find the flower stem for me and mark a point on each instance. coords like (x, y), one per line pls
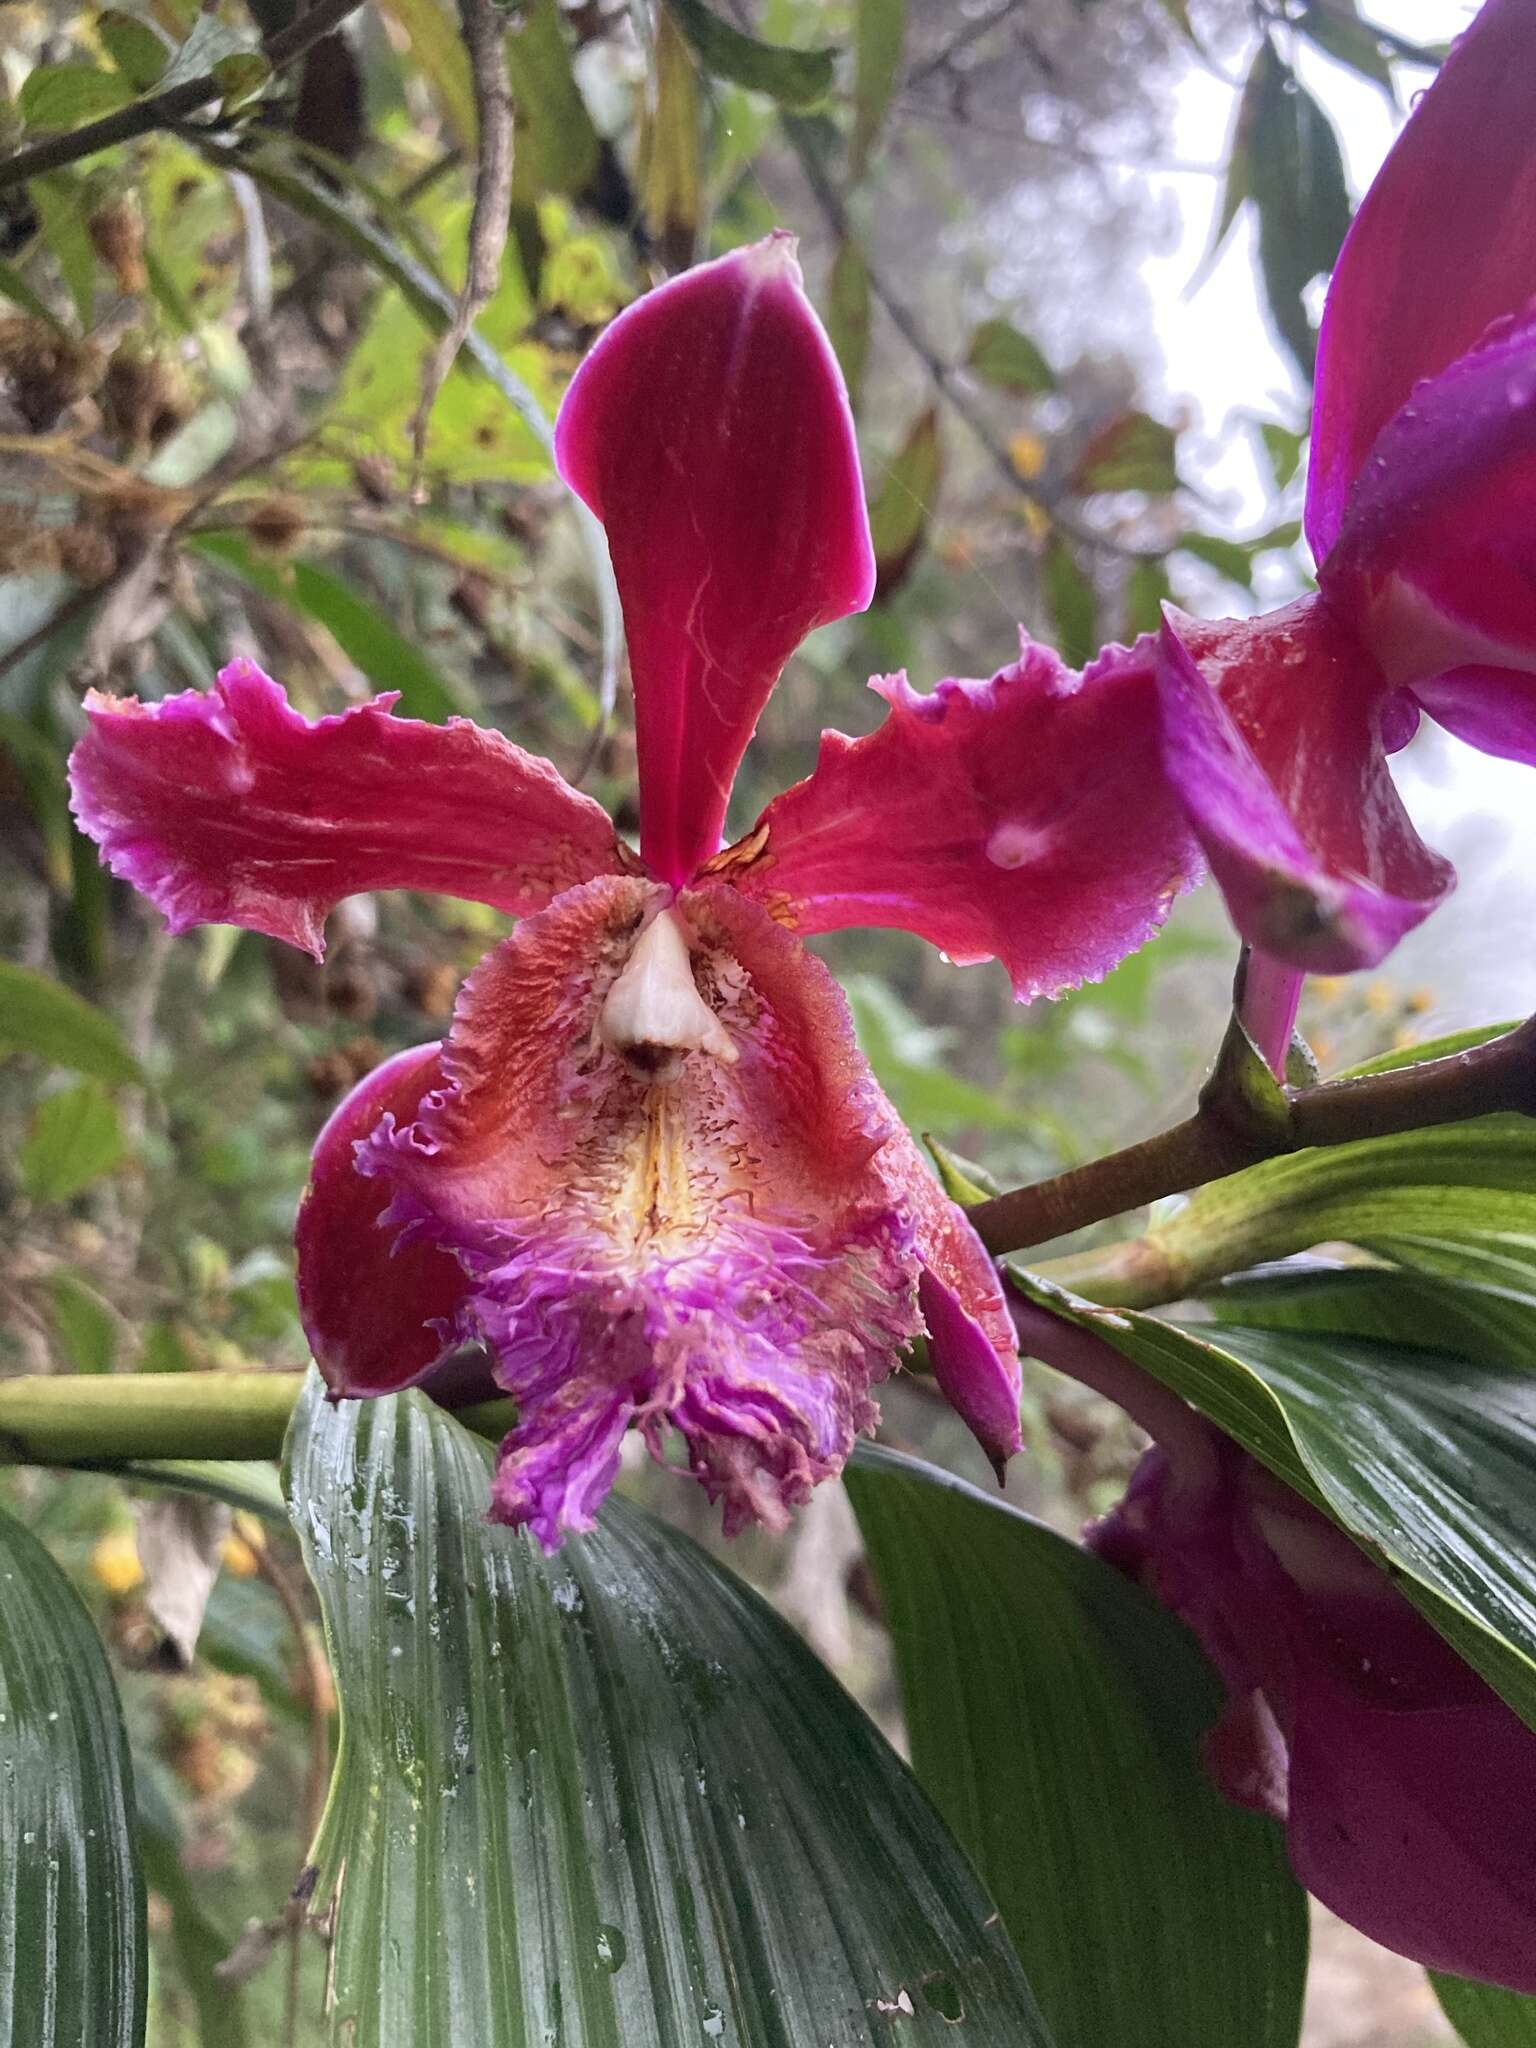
(115, 1418)
(1219, 1140)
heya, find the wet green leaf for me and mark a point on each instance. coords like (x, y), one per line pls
(85, 1328)
(905, 502)
(645, 1811)
(57, 96)
(1228, 557)
(848, 314)
(137, 48)
(1000, 354)
(1147, 590)
(1426, 1457)
(1485, 2015)
(41, 1016)
(1283, 448)
(795, 78)
(1131, 452)
(73, 1139)
(383, 653)
(879, 35)
(557, 146)
(59, 199)
(1071, 602)
(1056, 1713)
(1296, 181)
(1335, 27)
(671, 174)
(432, 30)
(72, 1952)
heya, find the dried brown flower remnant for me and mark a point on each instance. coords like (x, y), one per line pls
(116, 229)
(45, 370)
(146, 394)
(276, 524)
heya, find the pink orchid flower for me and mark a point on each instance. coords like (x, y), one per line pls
(648, 1170)
(1406, 1785)
(1421, 512)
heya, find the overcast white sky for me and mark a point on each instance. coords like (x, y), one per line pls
(1220, 362)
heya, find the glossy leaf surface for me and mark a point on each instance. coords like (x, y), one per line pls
(646, 1813)
(72, 1957)
(1427, 1458)
(1055, 1713)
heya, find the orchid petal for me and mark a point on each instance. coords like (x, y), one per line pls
(1270, 735)
(709, 431)
(1023, 818)
(1435, 558)
(1443, 244)
(227, 807)
(379, 1315)
(717, 1253)
(1493, 710)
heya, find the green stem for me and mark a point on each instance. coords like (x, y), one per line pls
(114, 1418)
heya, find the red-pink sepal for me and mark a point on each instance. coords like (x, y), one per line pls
(1271, 735)
(1024, 818)
(1443, 244)
(709, 431)
(379, 1315)
(226, 806)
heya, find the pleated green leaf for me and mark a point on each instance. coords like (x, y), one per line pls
(1485, 2015)
(72, 1956)
(1055, 1713)
(1426, 1456)
(606, 1799)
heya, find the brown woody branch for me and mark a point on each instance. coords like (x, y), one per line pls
(1219, 1139)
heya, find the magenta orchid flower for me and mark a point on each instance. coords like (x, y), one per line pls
(1405, 1784)
(648, 1170)
(1421, 512)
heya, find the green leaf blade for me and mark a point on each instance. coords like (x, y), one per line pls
(39, 1015)
(72, 1939)
(1055, 1713)
(645, 1811)
(795, 78)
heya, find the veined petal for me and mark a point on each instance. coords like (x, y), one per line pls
(1025, 818)
(709, 431)
(1436, 557)
(1443, 244)
(716, 1253)
(379, 1315)
(1271, 737)
(227, 807)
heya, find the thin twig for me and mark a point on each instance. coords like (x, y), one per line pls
(942, 375)
(492, 209)
(1218, 1140)
(173, 104)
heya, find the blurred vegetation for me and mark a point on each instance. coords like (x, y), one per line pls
(213, 345)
